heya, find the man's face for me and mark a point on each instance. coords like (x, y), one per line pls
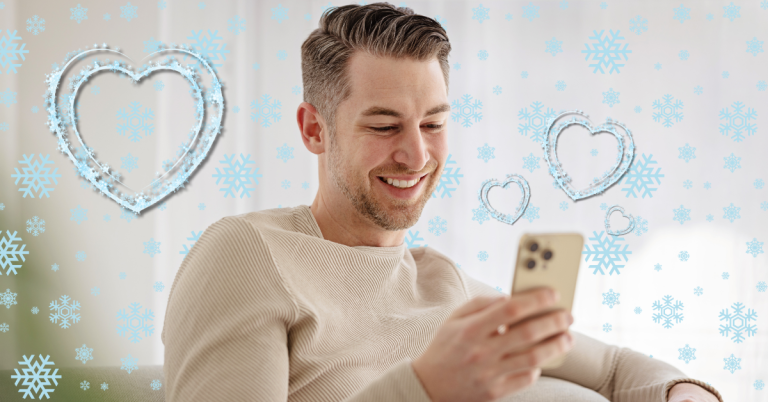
(371, 141)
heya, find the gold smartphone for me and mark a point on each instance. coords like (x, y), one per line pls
(549, 259)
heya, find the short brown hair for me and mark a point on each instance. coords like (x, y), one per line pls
(380, 29)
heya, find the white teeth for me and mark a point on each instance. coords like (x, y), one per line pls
(402, 183)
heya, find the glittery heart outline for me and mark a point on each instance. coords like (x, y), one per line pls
(140, 201)
(511, 178)
(624, 158)
(624, 231)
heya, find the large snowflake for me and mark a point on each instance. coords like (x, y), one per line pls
(737, 122)
(738, 322)
(668, 311)
(606, 253)
(466, 109)
(36, 176)
(10, 52)
(135, 321)
(411, 239)
(266, 110)
(134, 121)
(640, 176)
(10, 253)
(447, 179)
(534, 121)
(606, 51)
(237, 176)
(208, 49)
(36, 377)
(668, 108)
(64, 311)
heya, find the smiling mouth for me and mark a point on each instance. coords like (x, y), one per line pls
(415, 184)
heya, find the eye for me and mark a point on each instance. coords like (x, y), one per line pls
(384, 129)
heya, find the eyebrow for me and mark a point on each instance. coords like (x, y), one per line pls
(378, 110)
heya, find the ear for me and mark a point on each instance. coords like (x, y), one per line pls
(312, 127)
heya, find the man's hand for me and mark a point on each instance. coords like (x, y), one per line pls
(689, 392)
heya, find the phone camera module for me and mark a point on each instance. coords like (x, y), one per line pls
(530, 263)
(533, 246)
(547, 255)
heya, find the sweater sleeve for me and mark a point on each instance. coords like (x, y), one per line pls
(619, 374)
(227, 323)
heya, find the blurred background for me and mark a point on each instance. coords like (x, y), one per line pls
(687, 285)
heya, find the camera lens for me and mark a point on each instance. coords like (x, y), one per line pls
(534, 246)
(530, 264)
(547, 255)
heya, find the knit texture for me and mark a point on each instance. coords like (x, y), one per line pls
(263, 308)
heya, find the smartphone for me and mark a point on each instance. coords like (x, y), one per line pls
(549, 259)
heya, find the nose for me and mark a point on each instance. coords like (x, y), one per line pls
(412, 149)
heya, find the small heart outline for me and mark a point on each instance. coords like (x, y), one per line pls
(511, 178)
(615, 208)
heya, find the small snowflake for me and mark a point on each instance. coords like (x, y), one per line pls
(285, 184)
(731, 11)
(482, 256)
(482, 55)
(726, 275)
(668, 311)
(65, 311)
(607, 327)
(726, 74)
(4, 328)
(155, 385)
(611, 97)
(84, 354)
(162, 4)
(610, 298)
(531, 212)
(128, 12)
(78, 214)
(107, 17)
(638, 310)
(683, 256)
(762, 86)
(35, 310)
(524, 74)
(758, 183)
(683, 55)
(55, 267)
(762, 286)
(698, 291)
(657, 66)
(158, 286)
(755, 247)
(279, 14)
(731, 212)
(564, 205)
(80, 255)
(78, 13)
(129, 364)
(85, 385)
(638, 25)
(480, 214)
(201, 206)
(151, 247)
(698, 90)
(35, 25)
(554, 46)
(707, 185)
(104, 386)
(530, 162)
(285, 152)
(486, 153)
(657, 267)
(159, 85)
(35, 226)
(438, 226)
(560, 85)
(236, 25)
(688, 184)
(122, 275)
(710, 217)
(8, 299)
(480, 13)
(687, 353)
(682, 214)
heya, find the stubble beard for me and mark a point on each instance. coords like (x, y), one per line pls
(386, 212)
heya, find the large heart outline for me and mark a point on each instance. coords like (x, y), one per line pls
(140, 201)
(511, 178)
(629, 228)
(624, 158)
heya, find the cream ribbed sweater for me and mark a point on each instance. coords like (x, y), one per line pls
(264, 309)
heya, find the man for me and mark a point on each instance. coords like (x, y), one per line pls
(325, 302)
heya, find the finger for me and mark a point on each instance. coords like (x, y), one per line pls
(517, 308)
(525, 334)
(476, 304)
(537, 355)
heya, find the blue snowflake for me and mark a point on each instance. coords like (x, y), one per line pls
(236, 25)
(36, 176)
(560, 85)
(687, 353)
(606, 253)
(641, 226)
(758, 183)
(208, 49)
(610, 298)
(657, 267)
(762, 286)
(129, 162)
(754, 46)
(122, 275)
(564, 205)
(731, 11)
(152, 45)
(530, 11)
(305, 185)
(35, 226)
(554, 46)
(411, 239)
(84, 354)
(764, 205)
(195, 237)
(64, 311)
(128, 12)
(158, 286)
(127, 215)
(35, 25)
(85, 385)
(237, 176)
(151, 247)
(8, 97)
(438, 226)
(482, 256)
(657, 66)
(442, 22)
(698, 90)
(162, 4)
(606, 51)
(107, 17)
(688, 184)
(135, 121)
(738, 322)
(668, 311)
(603, 206)
(78, 214)
(295, 90)
(129, 364)
(450, 176)
(682, 214)
(687, 153)
(682, 13)
(466, 110)
(607, 327)
(135, 321)
(281, 54)
(480, 214)
(497, 90)
(285, 152)
(759, 384)
(78, 13)
(683, 256)
(611, 97)
(534, 121)
(731, 212)
(530, 162)
(279, 14)
(563, 4)
(524, 74)
(159, 85)
(762, 86)
(638, 310)
(668, 108)
(155, 385)
(285, 184)
(638, 25)
(480, 13)
(710, 218)
(738, 121)
(732, 162)
(36, 376)
(266, 110)
(710, 17)
(531, 213)
(683, 55)
(485, 153)
(698, 291)
(201, 206)
(726, 275)
(95, 291)
(8, 299)
(640, 176)
(755, 247)
(80, 255)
